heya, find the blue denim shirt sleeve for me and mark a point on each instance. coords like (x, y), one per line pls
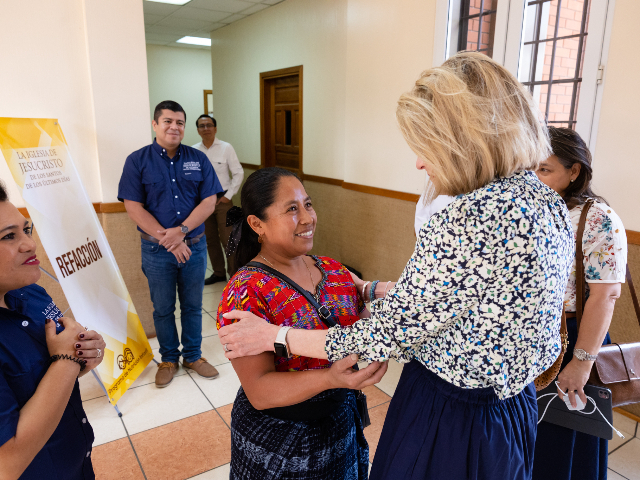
(130, 187)
(9, 411)
(210, 184)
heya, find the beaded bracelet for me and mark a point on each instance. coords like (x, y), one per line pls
(79, 361)
(372, 293)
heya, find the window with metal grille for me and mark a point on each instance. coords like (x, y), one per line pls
(552, 57)
(477, 25)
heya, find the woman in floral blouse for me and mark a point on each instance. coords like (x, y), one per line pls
(476, 312)
(561, 453)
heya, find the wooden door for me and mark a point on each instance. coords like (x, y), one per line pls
(281, 122)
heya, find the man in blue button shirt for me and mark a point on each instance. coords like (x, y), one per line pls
(169, 190)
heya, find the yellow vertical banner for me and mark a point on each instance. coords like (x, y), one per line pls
(39, 160)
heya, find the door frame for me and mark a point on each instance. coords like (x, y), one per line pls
(264, 78)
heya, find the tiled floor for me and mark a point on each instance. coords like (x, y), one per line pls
(182, 431)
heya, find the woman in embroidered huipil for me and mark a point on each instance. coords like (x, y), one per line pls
(561, 453)
(476, 313)
(295, 417)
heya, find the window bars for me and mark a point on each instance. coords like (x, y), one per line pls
(477, 25)
(555, 33)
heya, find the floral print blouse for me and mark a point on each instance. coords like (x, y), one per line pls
(604, 246)
(479, 302)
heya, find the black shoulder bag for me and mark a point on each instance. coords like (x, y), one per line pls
(328, 319)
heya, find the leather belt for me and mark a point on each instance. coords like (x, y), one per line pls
(188, 241)
(570, 314)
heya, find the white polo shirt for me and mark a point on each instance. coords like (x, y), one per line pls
(226, 164)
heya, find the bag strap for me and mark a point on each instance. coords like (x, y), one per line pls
(634, 296)
(581, 287)
(325, 314)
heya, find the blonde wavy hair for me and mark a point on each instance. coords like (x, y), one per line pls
(471, 121)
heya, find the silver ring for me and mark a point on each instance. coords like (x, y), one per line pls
(99, 352)
(225, 347)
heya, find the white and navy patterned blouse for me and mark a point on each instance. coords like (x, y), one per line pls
(479, 302)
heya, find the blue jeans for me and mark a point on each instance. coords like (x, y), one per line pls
(164, 273)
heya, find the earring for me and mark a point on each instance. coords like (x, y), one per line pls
(573, 180)
(260, 239)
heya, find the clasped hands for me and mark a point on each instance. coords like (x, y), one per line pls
(252, 335)
(75, 341)
(173, 240)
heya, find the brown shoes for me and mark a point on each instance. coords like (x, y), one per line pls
(202, 368)
(165, 373)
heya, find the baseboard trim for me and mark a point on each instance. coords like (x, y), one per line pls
(630, 415)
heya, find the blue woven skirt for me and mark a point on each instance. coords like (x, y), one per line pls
(564, 454)
(435, 430)
(267, 448)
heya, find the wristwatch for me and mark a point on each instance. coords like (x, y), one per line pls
(280, 346)
(184, 229)
(581, 355)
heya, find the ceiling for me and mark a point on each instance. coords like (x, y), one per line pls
(165, 23)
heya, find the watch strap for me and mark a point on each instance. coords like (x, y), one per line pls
(280, 346)
(582, 355)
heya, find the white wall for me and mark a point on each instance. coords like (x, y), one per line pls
(388, 45)
(44, 57)
(358, 57)
(181, 75)
(310, 33)
(617, 155)
(116, 51)
(78, 61)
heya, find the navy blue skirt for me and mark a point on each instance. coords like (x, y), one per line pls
(563, 454)
(435, 430)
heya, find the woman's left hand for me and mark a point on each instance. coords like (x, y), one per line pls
(90, 347)
(250, 335)
(573, 378)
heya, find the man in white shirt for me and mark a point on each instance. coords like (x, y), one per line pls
(229, 171)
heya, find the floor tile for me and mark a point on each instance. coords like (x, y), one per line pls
(624, 423)
(104, 420)
(209, 326)
(216, 288)
(611, 475)
(220, 473)
(626, 460)
(116, 461)
(373, 431)
(225, 413)
(213, 351)
(184, 448)
(221, 390)
(90, 387)
(616, 441)
(154, 343)
(210, 301)
(390, 380)
(375, 396)
(148, 407)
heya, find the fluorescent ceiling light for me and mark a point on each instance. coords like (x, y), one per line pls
(172, 2)
(195, 41)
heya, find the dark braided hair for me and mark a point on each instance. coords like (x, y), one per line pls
(570, 149)
(3, 192)
(258, 194)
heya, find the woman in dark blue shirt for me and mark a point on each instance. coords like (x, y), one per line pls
(44, 432)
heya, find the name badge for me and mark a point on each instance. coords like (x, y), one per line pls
(191, 166)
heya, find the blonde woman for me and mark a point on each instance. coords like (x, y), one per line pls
(476, 312)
